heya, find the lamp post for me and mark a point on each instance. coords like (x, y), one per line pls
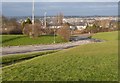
(54, 24)
(33, 22)
(54, 35)
(45, 20)
(33, 8)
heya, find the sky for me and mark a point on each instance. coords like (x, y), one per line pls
(60, 0)
(67, 8)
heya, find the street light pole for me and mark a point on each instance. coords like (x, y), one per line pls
(33, 8)
(55, 26)
(54, 35)
(45, 19)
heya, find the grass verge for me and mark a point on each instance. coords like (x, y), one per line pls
(12, 59)
(15, 40)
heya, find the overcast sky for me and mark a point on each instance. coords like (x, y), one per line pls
(61, 0)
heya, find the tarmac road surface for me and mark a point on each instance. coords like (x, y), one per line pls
(34, 48)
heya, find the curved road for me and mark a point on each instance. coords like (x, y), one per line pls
(33, 48)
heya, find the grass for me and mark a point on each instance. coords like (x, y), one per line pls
(12, 59)
(14, 40)
(90, 62)
(109, 36)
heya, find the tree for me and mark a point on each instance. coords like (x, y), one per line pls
(27, 21)
(103, 25)
(92, 29)
(4, 20)
(64, 31)
(118, 26)
(60, 18)
(10, 26)
(28, 28)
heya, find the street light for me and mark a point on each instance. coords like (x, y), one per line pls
(33, 8)
(55, 26)
(45, 20)
(54, 35)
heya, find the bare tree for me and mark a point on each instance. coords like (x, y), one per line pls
(104, 25)
(10, 26)
(59, 18)
(37, 29)
(64, 31)
(28, 28)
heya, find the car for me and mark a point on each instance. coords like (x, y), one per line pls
(77, 38)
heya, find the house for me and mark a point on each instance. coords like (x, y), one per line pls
(81, 26)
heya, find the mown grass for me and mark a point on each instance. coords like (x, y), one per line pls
(90, 62)
(12, 59)
(14, 40)
(109, 36)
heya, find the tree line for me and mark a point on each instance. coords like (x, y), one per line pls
(11, 26)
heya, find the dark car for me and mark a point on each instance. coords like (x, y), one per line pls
(77, 38)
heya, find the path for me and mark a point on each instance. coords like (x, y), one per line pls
(33, 48)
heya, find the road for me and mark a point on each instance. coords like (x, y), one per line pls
(77, 40)
(33, 48)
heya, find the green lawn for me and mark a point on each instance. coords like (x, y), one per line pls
(109, 36)
(13, 58)
(90, 62)
(14, 40)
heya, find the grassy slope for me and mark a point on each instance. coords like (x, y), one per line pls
(96, 61)
(109, 36)
(13, 40)
(18, 57)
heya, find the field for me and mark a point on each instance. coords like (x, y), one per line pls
(14, 40)
(90, 62)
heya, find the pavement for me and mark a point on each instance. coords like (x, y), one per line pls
(34, 48)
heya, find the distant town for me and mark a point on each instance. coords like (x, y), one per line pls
(78, 23)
